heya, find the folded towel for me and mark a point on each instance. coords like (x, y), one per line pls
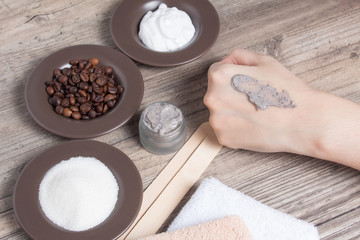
(231, 227)
(213, 200)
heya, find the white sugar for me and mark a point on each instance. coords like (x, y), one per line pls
(79, 193)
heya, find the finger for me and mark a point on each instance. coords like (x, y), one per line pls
(243, 57)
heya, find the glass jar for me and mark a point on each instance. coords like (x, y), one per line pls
(161, 143)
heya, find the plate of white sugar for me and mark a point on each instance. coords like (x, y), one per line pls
(165, 33)
(79, 190)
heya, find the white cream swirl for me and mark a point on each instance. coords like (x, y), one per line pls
(166, 29)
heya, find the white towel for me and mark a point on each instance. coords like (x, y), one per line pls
(213, 200)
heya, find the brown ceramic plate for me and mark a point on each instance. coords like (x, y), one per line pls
(126, 72)
(125, 26)
(26, 194)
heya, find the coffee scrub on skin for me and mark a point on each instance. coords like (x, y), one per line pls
(162, 128)
(261, 95)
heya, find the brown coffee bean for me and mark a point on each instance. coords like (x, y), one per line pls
(67, 112)
(57, 73)
(76, 115)
(57, 87)
(85, 108)
(73, 90)
(82, 93)
(72, 95)
(74, 62)
(92, 114)
(63, 79)
(59, 109)
(101, 81)
(74, 108)
(108, 70)
(94, 61)
(99, 98)
(72, 100)
(109, 97)
(76, 78)
(85, 117)
(66, 71)
(65, 102)
(92, 77)
(84, 77)
(83, 85)
(81, 65)
(99, 108)
(56, 101)
(97, 89)
(89, 90)
(88, 65)
(70, 81)
(105, 109)
(120, 89)
(112, 90)
(81, 100)
(50, 90)
(111, 103)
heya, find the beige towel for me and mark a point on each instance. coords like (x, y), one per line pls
(231, 227)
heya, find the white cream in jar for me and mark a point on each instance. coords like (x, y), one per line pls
(166, 29)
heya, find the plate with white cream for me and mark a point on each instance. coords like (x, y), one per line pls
(79, 190)
(165, 33)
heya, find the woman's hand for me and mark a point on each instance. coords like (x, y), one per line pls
(321, 125)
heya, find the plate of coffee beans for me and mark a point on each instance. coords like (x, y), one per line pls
(84, 91)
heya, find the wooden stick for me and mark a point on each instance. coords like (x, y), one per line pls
(175, 189)
(162, 180)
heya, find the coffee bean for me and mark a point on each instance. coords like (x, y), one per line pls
(82, 93)
(71, 94)
(85, 108)
(94, 61)
(81, 100)
(84, 77)
(56, 101)
(50, 90)
(73, 90)
(111, 103)
(74, 108)
(108, 70)
(92, 77)
(92, 114)
(83, 85)
(101, 81)
(88, 65)
(59, 109)
(85, 117)
(120, 89)
(76, 78)
(81, 65)
(109, 97)
(76, 115)
(105, 109)
(99, 108)
(63, 79)
(66, 71)
(72, 100)
(74, 62)
(99, 98)
(112, 90)
(65, 102)
(67, 112)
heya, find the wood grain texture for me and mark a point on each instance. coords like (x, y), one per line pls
(317, 40)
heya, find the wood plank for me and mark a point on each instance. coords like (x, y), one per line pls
(317, 40)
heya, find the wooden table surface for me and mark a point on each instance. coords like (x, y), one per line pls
(317, 40)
